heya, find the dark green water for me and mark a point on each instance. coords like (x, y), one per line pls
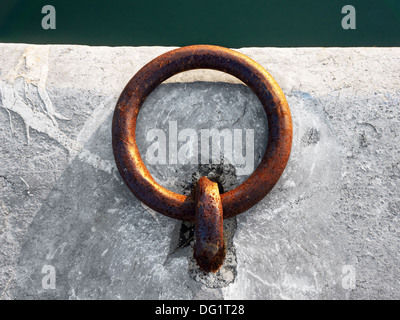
(231, 23)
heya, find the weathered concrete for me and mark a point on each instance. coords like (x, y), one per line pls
(63, 203)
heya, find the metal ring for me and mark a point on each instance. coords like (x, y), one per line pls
(126, 153)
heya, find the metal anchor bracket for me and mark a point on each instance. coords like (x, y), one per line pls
(207, 207)
(209, 250)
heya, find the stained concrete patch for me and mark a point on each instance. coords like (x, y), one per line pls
(63, 204)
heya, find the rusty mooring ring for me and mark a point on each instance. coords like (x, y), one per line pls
(127, 157)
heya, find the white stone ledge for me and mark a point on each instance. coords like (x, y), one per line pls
(62, 201)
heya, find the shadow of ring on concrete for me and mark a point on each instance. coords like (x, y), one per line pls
(104, 244)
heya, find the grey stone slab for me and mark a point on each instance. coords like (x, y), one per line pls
(328, 230)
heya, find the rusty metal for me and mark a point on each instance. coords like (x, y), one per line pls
(209, 250)
(129, 161)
